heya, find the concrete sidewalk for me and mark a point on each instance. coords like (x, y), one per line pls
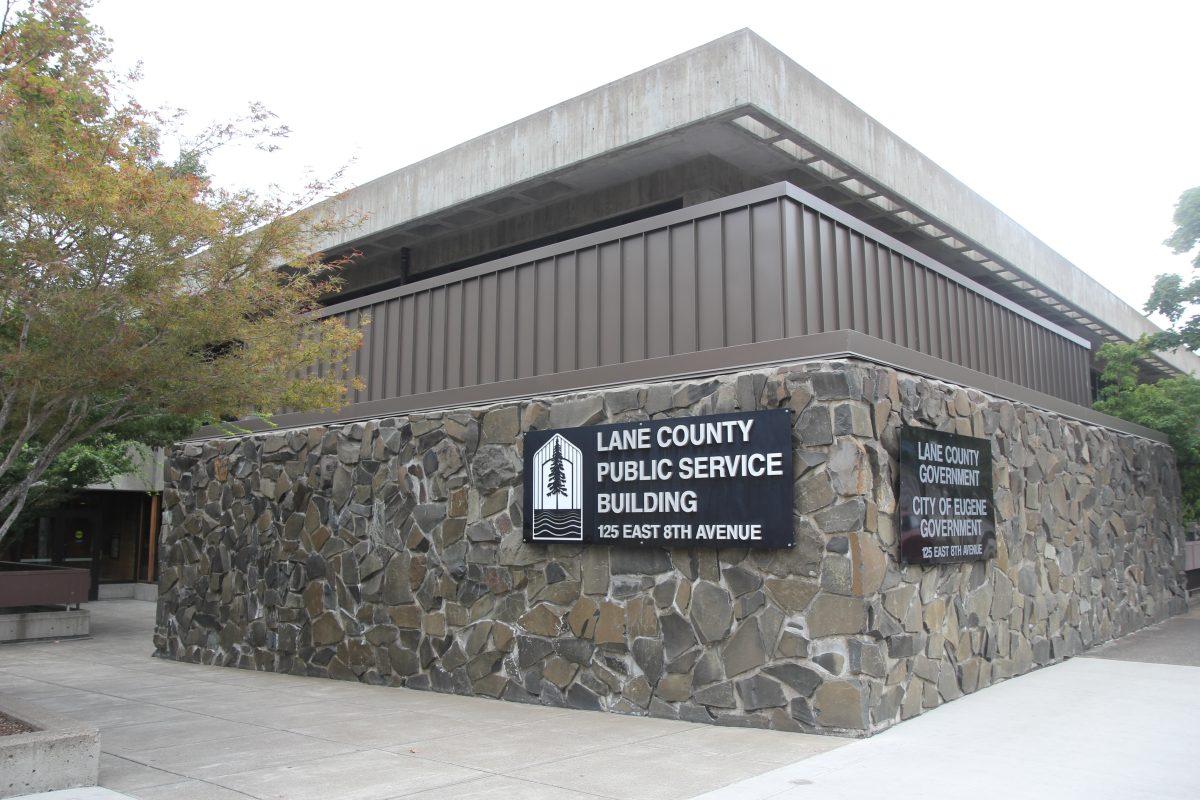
(1123, 722)
(182, 731)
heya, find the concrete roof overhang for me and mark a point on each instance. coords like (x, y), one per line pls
(744, 101)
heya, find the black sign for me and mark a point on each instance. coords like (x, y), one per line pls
(723, 481)
(946, 513)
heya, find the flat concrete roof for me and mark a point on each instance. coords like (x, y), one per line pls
(784, 108)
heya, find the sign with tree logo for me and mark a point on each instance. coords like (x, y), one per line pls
(720, 480)
(558, 475)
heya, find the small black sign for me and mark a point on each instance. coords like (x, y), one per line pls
(722, 481)
(946, 513)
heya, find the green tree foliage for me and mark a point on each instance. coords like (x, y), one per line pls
(556, 483)
(124, 449)
(1173, 296)
(96, 461)
(137, 298)
(1170, 405)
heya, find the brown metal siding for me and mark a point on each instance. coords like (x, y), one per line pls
(769, 269)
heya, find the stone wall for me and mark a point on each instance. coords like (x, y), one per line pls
(390, 552)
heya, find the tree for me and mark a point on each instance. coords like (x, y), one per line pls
(134, 290)
(556, 483)
(100, 459)
(1172, 296)
(1170, 405)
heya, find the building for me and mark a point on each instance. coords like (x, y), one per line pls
(719, 234)
(110, 529)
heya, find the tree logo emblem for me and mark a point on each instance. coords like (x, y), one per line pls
(558, 492)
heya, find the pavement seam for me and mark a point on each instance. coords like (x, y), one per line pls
(340, 755)
(147, 766)
(490, 774)
(181, 776)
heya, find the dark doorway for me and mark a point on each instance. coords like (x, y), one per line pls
(109, 533)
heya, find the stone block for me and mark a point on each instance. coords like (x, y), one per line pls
(841, 704)
(813, 491)
(582, 619)
(575, 650)
(610, 628)
(494, 466)
(799, 677)
(868, 658)
(577, 412)
(500, 425)
(831, 385)
(830, 615)
(327, 630)
(638, 692)
(759, 692)
(836, 575)
(852, 419)
(740, 580)
(842, 517)
(708, 668)
(711, 611)
(541, 620)
(814, 426)
(720, 695)
(792, 595)
(831, 662)
(745, 650)
(792, 644)
(674, 688)
(649, 657)
(638, 561)
(678, 635)
(559, 671)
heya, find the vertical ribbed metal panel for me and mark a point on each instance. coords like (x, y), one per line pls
(658, 293)
(769, 299)
(810, 258)
(633, 299)
(738, 274)
(763, 271)
(610, 310)
(508, 313)
(587, 313)
(710, 283)
(545, 319)
(685, 300)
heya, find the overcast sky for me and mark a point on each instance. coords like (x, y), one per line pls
(1078, 120)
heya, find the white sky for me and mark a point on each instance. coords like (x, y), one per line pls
(1078, 119)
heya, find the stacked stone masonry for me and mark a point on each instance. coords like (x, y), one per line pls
(390, 552)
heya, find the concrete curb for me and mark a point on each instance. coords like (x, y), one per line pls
(59, 754)
(32, 626)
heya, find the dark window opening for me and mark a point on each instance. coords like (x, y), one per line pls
(492, 255)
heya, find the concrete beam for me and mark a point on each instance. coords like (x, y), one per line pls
(693, 86)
